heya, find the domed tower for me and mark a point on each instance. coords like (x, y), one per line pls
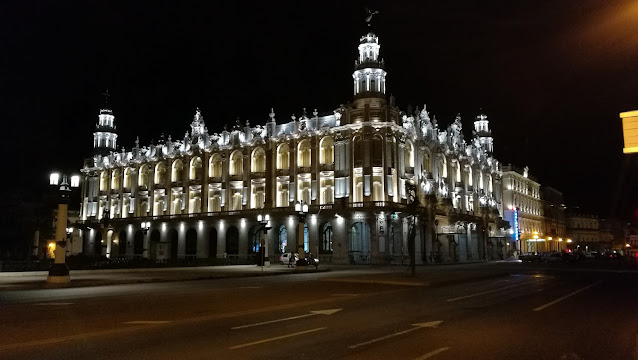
(369, 76)
(104, 137)
(483, 133)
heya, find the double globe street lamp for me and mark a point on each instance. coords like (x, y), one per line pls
(263, 221)
(301, 209)
(59, 271)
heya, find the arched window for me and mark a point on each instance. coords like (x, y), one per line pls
(357, 145)
(283, 161)
(160, 173)
(408, 154)
(104, 181)
(326, 155)
(236, 163)
(469, 175)
(115, 179)
(426, 163)
(283, 242)
(143, 176)
(304, 154)
(127, 178)
(196, 168)
(326, 239)
(177, 173)
(215, 167)
(258, 163)
(442, 167)
(377, 151)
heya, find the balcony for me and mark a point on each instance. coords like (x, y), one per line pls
(283, 172)
(238, 177)
(327, 167)
(215, 179)
(305, 169)
(258, 174)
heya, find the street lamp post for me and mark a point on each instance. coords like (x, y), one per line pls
(145, 226)
(263, 223)
(59, 271)
(302, 210)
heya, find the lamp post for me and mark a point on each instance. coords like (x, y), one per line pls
(263, 221)
(301, 209)
(145, 226)
(59, 271)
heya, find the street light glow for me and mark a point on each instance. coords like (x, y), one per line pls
(54, 178)
(75, 181)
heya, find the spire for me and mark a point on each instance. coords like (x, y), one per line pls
(483, 133)
(105, 137)
(369, 75)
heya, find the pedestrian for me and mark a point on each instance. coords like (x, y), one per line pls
(291, 259)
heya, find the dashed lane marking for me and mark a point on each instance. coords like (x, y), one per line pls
(490, 291)
(381, 282)
(432, 353)
(275, 338)
(565, 297)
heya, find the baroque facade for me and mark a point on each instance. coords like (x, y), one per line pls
(202, 194)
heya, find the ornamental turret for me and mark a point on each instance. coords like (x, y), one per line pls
(369, 76)
(104, 137)
(483, 133)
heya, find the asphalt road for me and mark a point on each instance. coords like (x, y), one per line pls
(536, 312)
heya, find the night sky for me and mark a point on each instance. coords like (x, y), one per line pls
(552, 76)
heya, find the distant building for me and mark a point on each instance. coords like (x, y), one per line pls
(523, 209)
(554, 220)
(202, 193)
(584, 231)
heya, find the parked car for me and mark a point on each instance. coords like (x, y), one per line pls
(554, 257)
(529, 257)
(284, 258)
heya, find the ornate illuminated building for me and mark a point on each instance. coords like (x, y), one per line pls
(202, 193)
(523, 209)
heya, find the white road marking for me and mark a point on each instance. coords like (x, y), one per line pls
(275, 338)
(432, 353)
(431, 324)
(148, 322)
(312, 313)
(565, 297)
(53, 304)
(378, 282)
(490, 291)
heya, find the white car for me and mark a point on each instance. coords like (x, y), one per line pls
(284, 258)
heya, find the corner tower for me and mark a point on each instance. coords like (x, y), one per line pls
(483, 133)
(368, 75)
(104, 137)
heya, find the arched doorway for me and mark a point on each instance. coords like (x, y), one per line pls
(212, 243)
(97, 246)
(191, 243)
(155, 236)
(359, 243)
(282, 240)
(254, 242)
(121, 244)
(232, 241)
(173, 238)
(326, 238)
(138, 244)
(86, 243)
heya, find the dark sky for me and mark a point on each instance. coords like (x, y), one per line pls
(551, 75)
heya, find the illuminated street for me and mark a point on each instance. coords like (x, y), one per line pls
(550, 311)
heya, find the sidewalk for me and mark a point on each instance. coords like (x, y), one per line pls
(399, 275)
